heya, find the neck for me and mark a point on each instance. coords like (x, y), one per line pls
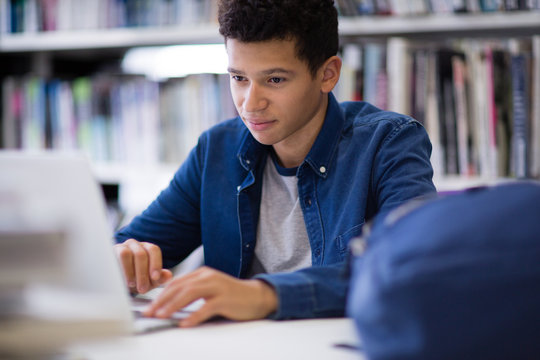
(292, 151)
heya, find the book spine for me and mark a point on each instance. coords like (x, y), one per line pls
(473, 6)
(520, 114)
(492, 112)
(432, 121)
(399, 74)
(382, 7)
(459, 74)
(535, 108)
(5, 16)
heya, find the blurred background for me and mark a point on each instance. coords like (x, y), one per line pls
(133, 83)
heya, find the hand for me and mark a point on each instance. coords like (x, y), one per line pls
(142, 265)
(223, 294)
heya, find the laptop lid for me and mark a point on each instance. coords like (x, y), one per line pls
(55, 194)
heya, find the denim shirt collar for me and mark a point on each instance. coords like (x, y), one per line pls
(321, 153)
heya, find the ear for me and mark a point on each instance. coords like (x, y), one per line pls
(330, 73)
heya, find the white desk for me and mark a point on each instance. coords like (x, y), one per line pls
(264, 339)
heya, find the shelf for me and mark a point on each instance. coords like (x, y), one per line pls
(109, 38)
(139, 184)
(487, 24)
(448, 184)
(118, 173)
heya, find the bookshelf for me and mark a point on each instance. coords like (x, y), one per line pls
(522, 23)
(471, 78)
(519, 23)
(118, 38)
(41, 52)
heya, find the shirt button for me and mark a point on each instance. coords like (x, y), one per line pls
(247, 246)
(318, 252)
(322, 169)
(248, 162)
(307, 201)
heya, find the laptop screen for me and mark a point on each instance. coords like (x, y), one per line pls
(80, 282)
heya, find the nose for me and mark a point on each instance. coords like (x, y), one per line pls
(254, 99)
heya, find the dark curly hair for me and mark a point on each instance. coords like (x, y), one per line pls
(312, 23)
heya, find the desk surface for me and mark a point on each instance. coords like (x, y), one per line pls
(264, 339)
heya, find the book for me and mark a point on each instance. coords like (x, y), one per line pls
(364, 7)
(474, 54)
(398, 70)
(432, 119)
(12, 113)
(441, 6)
(459, 6)
(502, 85)
(349, 86)
(459, 73)
(374, 73)
(473, 6)
(382, 7)
(419, 84)
(491, 5)
(5, 16)
(446, 101)
(520, 79)
(535, 108)
(492, 110)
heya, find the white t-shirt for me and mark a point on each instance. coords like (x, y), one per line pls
(282, 241)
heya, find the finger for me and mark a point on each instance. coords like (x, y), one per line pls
(207, 311)
(140, 257)
(177, 295)
(154, 260)
(167, 275)
(125, 257)
(203, 283)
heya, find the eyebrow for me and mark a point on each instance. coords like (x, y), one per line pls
(264, 72)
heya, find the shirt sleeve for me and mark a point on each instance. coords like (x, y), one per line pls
(313, 292)
(172, 220)
(401, 168)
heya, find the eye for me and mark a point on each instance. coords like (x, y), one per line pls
(237, 78)
(276, 80)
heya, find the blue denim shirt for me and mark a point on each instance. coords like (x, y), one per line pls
(364, 161)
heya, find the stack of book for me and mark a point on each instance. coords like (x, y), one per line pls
(478, 99)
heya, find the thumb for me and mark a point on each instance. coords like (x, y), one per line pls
(166, 275)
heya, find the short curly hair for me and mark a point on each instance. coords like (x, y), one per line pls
(312, 23)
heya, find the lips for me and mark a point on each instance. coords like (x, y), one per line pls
(259, 124)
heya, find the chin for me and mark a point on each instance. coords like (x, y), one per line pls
(265, 140)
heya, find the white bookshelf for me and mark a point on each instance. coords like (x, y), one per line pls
(109, 38)
(457, 183)
(485, 24)
(115, 172)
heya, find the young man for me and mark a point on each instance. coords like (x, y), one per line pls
(275, 195)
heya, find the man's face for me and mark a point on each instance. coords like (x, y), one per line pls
(274, 92)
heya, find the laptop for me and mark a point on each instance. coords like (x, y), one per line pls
(52, 199)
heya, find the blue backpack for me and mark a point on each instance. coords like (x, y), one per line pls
(457, 277)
